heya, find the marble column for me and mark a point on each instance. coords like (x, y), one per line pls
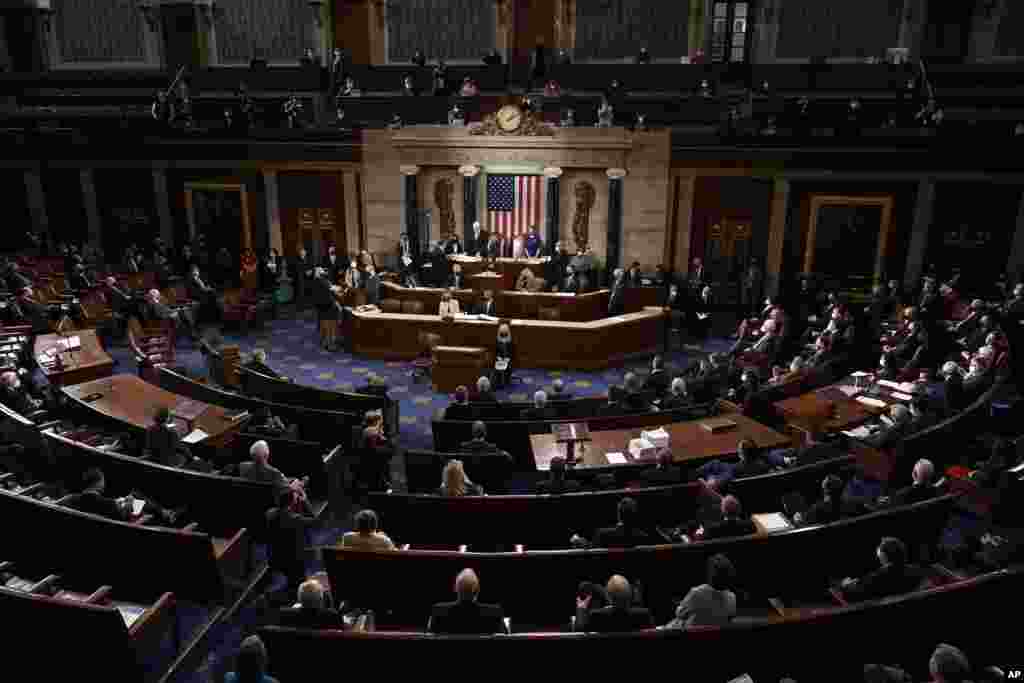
(152, 48)
(354, 237)
(163, 206)
(206, 29)
(270, 189)
(766, 33)
(92, 214)
(553, 201)
(776, 237)
(684, 224)
(410, 212)
(470, 201)
(918, 248)
(1015, 265)
(37, 204)
(613, 254)
(318, 9)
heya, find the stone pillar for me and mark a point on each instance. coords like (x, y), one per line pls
(270, 190)
(470, 203)
(206, 29)
(152, 49)
(47, 35)
(163, 206)
(911, 22)
(37, 204)
(981, 46)
(92, 214)
(918, 248)
(319, 11)
(684, 224)
(614, 244)
(410, 217)
(1015, 265)
(776, 237)
(553, 199)
(355, 240)
(766, 33)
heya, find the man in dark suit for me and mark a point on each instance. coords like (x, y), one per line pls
(696, 277)
(419, 59)
(310, 611)
(635, 399)
(258, 363)
(486, 305)
(678, 396)
(333, 264)
(456, 280)
(93, 500)
(634, 278)
(15, 395)
(540, 410)
(617, 298)
(557, 482)
(479, 442)
(733, 522)
(163, 442)
(626, 534)
(302, 269)
(157, 310)
(894, 577)
(570, 284)
(483, 392)
(287, 525)
(922, 489)
(558, 392)
(260, 469)
(465, 615)
(459, 409)
(27, 309)
(659, 380)
(665, 473)
(554, 269)
(829, 509)
(619, 616)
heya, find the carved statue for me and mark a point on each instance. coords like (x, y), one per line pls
(585, 195)
(444, 189)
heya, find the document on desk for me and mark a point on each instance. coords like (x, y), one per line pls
(848, 390)
(486, 317)
(899, 395)
(772, 521)
(858, 373)
(137, 506)
(703, 316)
(194, 437)
(858, 433)
(873, 402)
(616, 458)
(889, 383)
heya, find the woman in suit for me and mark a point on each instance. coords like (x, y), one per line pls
(455, 482)
(503, 353)
(327, 309)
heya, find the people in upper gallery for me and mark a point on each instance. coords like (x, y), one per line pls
(251, 663)
(469, 88)
(466, 615)
(558, 392)
(449, 305)
(895, 576)
(456, 280)
(712, 603)
(626, 534)
(419, 59)
(260, 469)
(310, 610)
(455, 483)
(617, 297)
(658, 380)
(619, 616)
(733, 522)
(408, 85)
(366, 535)
(504, 354)
(644, 57)
(540, 410)
(492, 58)
(483, 392)
(486, 304)
(678, 396)
(258, 363)
(557, 482)
(923, 487)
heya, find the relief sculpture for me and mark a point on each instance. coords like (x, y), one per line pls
(585, 196)
(443, 192)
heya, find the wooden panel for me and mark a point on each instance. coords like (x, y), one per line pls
(351, 19)
(127, 207)
(533, 20)
(850, 236)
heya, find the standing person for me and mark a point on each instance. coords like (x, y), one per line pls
(504, 352)
(302, 268)
(327, 309)
(753, 284)
(333, 264)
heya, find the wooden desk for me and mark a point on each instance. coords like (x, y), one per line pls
(458, 365)
(508, 268)
(131, 401)
(827, 409)
(538, 343)
(86, 363)
(688, 441)
(509, 304)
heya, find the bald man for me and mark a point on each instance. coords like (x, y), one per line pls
(619, 616)
(465, 615)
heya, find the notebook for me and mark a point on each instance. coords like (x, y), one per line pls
(873, 402)
(858, 433)
(899, 395)
(195, 436)
(616, 458)
(772, 521)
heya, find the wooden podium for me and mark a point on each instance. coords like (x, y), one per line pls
(482, 282)
(458, 365)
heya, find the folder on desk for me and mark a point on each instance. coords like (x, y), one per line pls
(616, 458)
(858, 433)
(873, 402)
(889, 383)
(194, 437)
(899, 395)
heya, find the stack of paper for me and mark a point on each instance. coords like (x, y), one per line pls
(195, 436)
(849, 391)
(873, 402)
(641, 448)
(889, 383)
(859, 373)
(616, 458)
(858, 433)
(772, 521)
(901, 396)
(658, 437)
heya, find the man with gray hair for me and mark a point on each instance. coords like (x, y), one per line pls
(465, 615)
(558, 392)
(617, 298)
(540, 409)
(260, 469)
(311, 610)
(483, 392)
(923, 487)
(634, 400)
(678, 396)
(620, 616)
(258, 363)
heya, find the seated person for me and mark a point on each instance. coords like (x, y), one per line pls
(540, 409)
(829, 509)
(658, 380)
(894, 577)
(749, 464)
(311, 610)
(952, 388)
(366, 536)
(556, 482)
(678, 396)
(619, 616)
(528, 282)
(626, 534)
(456, 280)
(459, 409)
(163, 444)
(796, 370)
(766, 349)
(260, 469)
(712, 603)
(977, 380)
(251, 663)
(93, 500)
(634, 400)
(449, 305)
(823, 353)
(26, 309)
(923, 487)
(156, 310)
(921, 414)
(558, 392)
(733, 522)
(258, 363)
(15, 395)
(266, 423)
(465, 615)
(479, 442)
(455, 482)
(486, 305)
(483, 392)
(747, 388)
(665, 473)
(891, 427)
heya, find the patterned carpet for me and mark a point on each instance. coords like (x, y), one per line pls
(293, 350)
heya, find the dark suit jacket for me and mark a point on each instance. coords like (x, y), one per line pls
(254, 472)
(551, 487)
(162, 442)
(617, 300)
(340, 265)
(478, 446)
(729, 527)
(486, 397)
(484, 308)
(915, 493)
(658, 382)
(824, 512)
(96, 503)
(309, 617)
(467, 618)
(621, 537)
(611, 619)
(545, 413)
(885, 581)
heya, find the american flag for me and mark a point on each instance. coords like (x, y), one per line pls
(514, 203)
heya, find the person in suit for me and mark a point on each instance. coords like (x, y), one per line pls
(493, 247)
(697, 277)
(952, 388)
(30, 311)
(617, 298)
(15, 395)
(466, 615)
(310, 611)
(286, 527)
(407, 260)
(625, 534)
(619, 616)
(554, 269)
(484, 394)
(977, 380)
(557, 483)
(675, 308)
(258, 363)
(733, 522)
(479, 442)
(712, 603)
(157, 310)
(753, 283)
(328, 309)
(94, 500)
(366, 535)
(486, 305)
(333, 263)
(570, 283)
(475, 241)
(455, 483)
(449, 305)
(894, 577)
(923, 487)
(644, 57)
(504, 354)
(302, 272)
(456, 280)
(665, 472)
(540, 409)
(251, 663)
(634, 278)
(635, 399)
(260, 469)
(492, 58)
(558, 392)
(163, 442)
(892, 427)
(658, 380)
(699, 315)
(829, 509)
(678, 396)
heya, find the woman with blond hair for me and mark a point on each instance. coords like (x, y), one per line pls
(454, 481)
(503, 352)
